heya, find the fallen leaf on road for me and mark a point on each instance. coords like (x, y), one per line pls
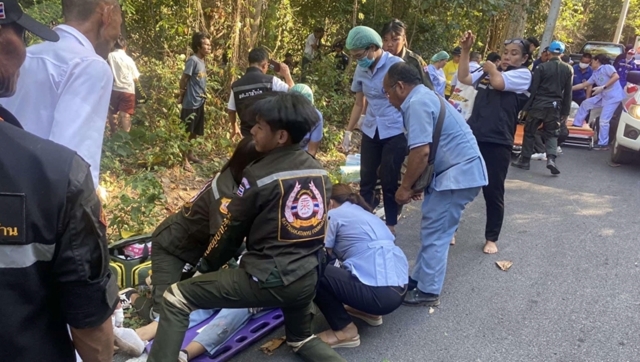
(431, 310)
(504, 265)
(272, 345)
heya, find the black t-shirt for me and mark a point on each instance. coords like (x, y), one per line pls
(342, 61)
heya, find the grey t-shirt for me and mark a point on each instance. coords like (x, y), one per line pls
(197, 84)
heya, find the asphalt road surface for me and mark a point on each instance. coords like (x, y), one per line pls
(572, 293)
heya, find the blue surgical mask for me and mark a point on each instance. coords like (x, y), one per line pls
(365, 62)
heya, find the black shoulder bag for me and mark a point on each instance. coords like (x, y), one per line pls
(427, 175)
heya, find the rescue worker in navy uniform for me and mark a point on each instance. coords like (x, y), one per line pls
(280, 207)
(53, 250)
(183, 237)
(254, 82)
(549, 105)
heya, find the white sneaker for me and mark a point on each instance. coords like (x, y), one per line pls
(182, 357)
(539, 156)
(128, 341)
(559, 150)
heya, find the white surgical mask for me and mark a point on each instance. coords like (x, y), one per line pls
(584, 65)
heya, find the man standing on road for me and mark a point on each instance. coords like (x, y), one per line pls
(193, 92)
(549, 104)
(65, 87)
(460, 173)
(254, 82)
(53, 250)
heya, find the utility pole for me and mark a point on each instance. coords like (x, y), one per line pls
(621, 21)
(552, 19)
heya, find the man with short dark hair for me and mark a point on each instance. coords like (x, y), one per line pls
(193, 91)
(451, 70)
(254, 82)
(53, 248)
(533, 45)
(460, 172)
(70, 81)
(543, 58)
(280, 208)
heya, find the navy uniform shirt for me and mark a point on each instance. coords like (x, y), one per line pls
(54, 262)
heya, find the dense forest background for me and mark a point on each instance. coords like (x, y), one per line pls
(141, 170)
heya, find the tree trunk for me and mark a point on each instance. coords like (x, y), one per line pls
(355, 13)
(255, 24)
(517, 19)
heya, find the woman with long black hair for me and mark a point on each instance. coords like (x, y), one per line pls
(501, 96)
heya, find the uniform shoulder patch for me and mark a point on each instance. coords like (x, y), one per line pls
(302, 209)
(224, 202)
(13, 219)
(244, 186)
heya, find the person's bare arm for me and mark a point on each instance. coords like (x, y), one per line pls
(466, 42)
(416, 164)
(286, 74)
(94, 344)
(183, 86)
(495, 76)
(356, 112)
(313, 148)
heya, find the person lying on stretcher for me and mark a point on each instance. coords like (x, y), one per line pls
(209, 340)
(184, 238)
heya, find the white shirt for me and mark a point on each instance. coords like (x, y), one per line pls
(473, 65)
(63, 95)
(277, 85)
(517, 80)
(124, 71)
(308, 49)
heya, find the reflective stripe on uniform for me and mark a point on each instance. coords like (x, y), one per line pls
(22, 256)
(214, 187)
(252, 86)
(174, 296)
(291, 174)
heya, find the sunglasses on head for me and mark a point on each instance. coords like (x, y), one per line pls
(514, 41)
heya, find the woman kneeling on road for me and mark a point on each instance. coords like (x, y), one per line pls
(372, 278)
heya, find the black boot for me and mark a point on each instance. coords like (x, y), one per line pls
(551, 165)
(413, 284)
(416, 298)
(521, 163)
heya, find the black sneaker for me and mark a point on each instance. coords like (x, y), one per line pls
(551, 165)
(413, 284)
(521, 163)
(125, 297)
(416, 298)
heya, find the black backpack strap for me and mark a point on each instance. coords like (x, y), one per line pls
(438, 131)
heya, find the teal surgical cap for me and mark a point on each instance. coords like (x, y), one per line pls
(361, 37)
(442, 55)
(304, 90)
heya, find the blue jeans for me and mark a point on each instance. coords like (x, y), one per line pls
(441, 212)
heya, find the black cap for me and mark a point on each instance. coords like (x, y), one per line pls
(456, 51)
(11, 12)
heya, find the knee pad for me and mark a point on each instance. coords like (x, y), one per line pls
(313, 349)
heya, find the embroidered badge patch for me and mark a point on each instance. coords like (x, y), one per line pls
(302, 207)
(13, 219)
(224, 202)
(2, 14)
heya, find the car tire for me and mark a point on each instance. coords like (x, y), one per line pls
(619, 154)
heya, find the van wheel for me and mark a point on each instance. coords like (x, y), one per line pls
(620, 154)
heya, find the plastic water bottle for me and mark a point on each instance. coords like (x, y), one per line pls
(353, 160)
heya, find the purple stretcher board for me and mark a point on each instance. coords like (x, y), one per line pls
(190, 334)
(252, 332)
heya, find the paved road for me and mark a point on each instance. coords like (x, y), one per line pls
(571, 295)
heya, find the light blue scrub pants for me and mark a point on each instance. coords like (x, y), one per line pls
(223, 326)
(609, 107)
(441, 212)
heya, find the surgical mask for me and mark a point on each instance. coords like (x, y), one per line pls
(584, 65)
(365, 62)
